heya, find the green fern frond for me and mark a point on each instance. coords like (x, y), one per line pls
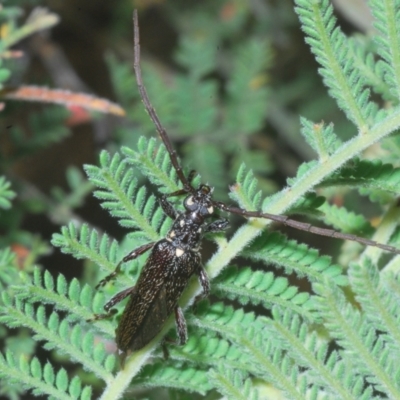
(162, 95)
(331, 49)
(246, 191)
(117, 188)
(153, 161)
(257, 287)
(247, 97)
(219, 314)
(70, 297)
(379, 305)
(273, 247)
(233, 384)
(272, 364)
(235, 344)
(309, 205)
(321, 138)
(362, 347)
(205, 346)
(198, 55)
(198, 99)
(42, 380)
(225, 321)
(372, 71)
(5, 74)
(6, 195)
(390, 281)
(302, 171)
(372, 175)
(123, 81)
(206, 157)
(60, 335)
(85, 243)
(346, 221)
(210, 338)
(8, 270)
(78, 186)
(385, 15)
(311, 352)
(206, 350)
(163, 375)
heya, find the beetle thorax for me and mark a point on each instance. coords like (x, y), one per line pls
(187, 230)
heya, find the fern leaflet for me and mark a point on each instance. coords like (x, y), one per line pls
(331, 49)
(42, 380)
(58, 335)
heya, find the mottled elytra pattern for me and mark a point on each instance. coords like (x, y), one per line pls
(174, 259)
(160, 285)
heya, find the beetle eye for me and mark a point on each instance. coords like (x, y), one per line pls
(205, 189)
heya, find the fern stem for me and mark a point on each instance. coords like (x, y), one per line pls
(116, 386)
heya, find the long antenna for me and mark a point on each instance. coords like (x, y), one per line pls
(150, 109)
(304, 226)
(187, 187)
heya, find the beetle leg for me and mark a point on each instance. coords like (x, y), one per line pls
(167, 207)
(216, 226)
(114, 300)
(181, 327)
(204, 282)
(131, 256)
(181, 330)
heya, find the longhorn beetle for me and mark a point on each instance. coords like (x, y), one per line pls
(174, 259)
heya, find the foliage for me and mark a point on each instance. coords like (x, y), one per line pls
(314, 328)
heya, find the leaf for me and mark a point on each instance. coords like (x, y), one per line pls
(42, 380)
(6, 195)
(247, 96)
(293, 257)
(320, 137)
(162, 375)
(258, 287)
(387, 40)
(63, 97)
(117, 187)
(331, 50)
(233, 384)
(368, 175)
